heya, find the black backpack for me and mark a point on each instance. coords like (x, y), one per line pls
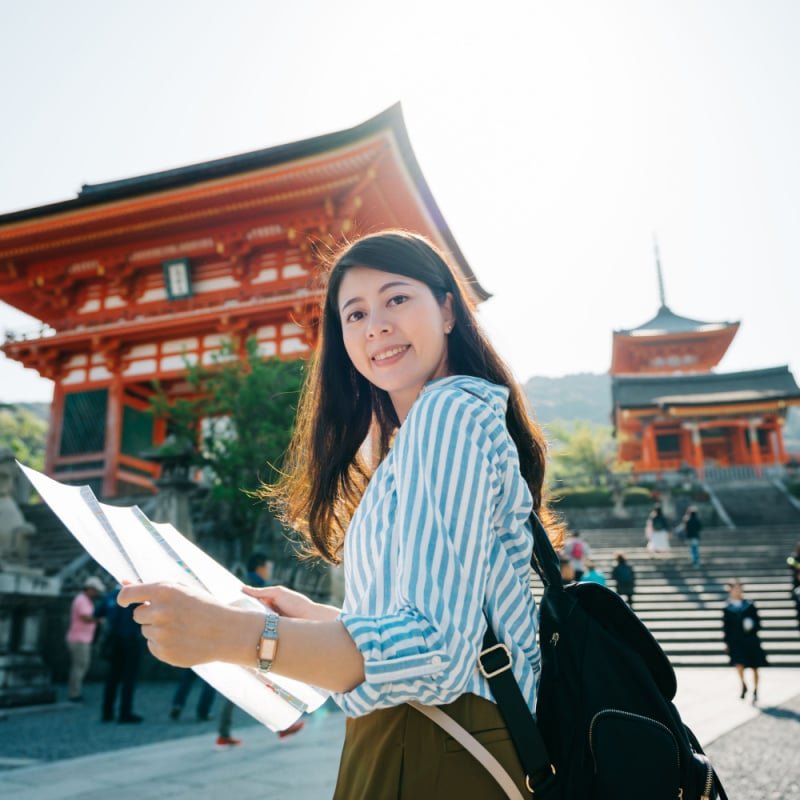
(606, 726)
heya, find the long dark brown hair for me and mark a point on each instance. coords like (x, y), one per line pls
(326, 471)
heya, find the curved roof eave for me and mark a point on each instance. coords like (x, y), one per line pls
(666, 322)
(390, 118)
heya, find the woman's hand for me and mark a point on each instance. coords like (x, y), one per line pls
(185, 627)
(289, 603)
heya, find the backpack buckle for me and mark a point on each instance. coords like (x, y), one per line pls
(490, 671)
(543, 778)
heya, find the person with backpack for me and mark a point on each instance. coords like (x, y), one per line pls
(415, 458)
(624, 577)
(577, 551)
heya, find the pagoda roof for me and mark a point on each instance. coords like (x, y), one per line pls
(642, 391)
(391, 119)
(666, 322)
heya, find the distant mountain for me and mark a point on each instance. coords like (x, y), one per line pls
(41, 410)
(585, 396)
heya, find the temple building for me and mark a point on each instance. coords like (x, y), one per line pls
(134, 279)
(672, 412)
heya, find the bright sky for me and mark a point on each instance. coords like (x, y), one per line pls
(557, 137)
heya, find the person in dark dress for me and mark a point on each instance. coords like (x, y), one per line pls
(740, 630)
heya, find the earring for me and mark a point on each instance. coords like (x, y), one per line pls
(449, 328)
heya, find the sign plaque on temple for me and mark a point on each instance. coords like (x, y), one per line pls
(133, 279)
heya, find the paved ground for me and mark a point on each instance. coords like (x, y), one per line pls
(44, 754)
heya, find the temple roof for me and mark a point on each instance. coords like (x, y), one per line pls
(152, 183)
(667, 322)
(774, 383)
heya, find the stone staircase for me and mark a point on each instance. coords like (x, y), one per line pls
(682, 605)
(756, 503)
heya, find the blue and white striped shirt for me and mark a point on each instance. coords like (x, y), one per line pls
(440, 537)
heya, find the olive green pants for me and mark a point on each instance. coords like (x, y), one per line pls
(398, 754)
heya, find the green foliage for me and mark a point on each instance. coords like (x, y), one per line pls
(237, 426)
(25, 433)
(582, 497)
(637, 496)
(581, 452)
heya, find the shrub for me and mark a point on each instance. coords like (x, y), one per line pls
(582, 497)
(637, 496)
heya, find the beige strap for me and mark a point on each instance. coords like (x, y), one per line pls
(473, 746)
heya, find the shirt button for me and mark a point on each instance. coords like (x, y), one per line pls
(436, 661)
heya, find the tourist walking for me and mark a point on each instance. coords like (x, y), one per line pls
(593, 574)
(656, 531)
(624, 577)
(80, 635)
(741, 625)
(691, 527)
(408, 413)
(577, 551)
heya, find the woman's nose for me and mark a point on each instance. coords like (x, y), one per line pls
(377, 325)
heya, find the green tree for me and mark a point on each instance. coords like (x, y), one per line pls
(236, 426)
(25, 433)
(581, 453)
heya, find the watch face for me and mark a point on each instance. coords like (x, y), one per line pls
(266, 650)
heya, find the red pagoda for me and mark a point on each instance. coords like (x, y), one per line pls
(133, 279)
(670, 411)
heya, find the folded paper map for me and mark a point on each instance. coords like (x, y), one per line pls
(128, 545)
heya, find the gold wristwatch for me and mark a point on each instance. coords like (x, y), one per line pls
(268, 643)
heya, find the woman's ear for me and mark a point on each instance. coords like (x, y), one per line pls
(448, 315)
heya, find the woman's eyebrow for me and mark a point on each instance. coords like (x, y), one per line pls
(383, 288)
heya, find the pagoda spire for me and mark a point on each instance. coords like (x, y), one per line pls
(660, 274)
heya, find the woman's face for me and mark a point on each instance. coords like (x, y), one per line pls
(394, 331)
(735, 591)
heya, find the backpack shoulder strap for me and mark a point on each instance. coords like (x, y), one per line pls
(472, 746)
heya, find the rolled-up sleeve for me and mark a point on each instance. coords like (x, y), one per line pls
(447, 482)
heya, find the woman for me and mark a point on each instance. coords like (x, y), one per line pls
(740, 630)
(414, 455)
(657, 531)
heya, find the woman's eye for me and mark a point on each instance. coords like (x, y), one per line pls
(398, 299)
(355, 316)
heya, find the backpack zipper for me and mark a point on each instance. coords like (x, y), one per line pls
(634, 716)
(709, 782)
(553, 642)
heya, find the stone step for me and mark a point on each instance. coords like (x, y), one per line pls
(786, 648)
(786, 625)
(683, 635)
(658, 613)
(722, 660)
(718, 605)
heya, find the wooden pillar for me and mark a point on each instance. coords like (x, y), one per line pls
(649, 457)
(739, 446)
(53, 447)
(113, 436)
(755, 451)
(779, 447)
(697, 445)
